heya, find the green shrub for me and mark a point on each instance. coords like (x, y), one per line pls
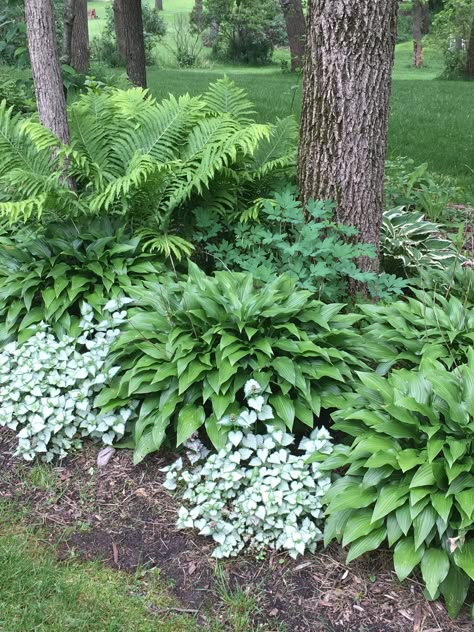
(254, 492)
(190, 349)
(132, 156)
(277, 238)
(18, 93)
(408, 476)
(46, 276)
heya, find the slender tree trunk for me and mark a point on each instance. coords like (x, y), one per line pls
(426, 19)
(198, 13)
(470, 54)
(68, 24)
(159, 5)
(45, 67)
(296, 29)
(134, 42)
(80, 38)
(346, 99)
(417, 34)
(119, 26)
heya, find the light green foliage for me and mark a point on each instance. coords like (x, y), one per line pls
(47, 387)
(451, 28)
(131, 155)
(409, 474)
(277, 236)
(189, 350)
(254, 491)
(410, 242)
(46, 275)
(426, 325)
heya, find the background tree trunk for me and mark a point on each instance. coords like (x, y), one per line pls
(198, 13)
(134, 41)
(426, 20)
(119, 26)
(346, 99)
(417, 34)
(159, 5)
(68, 23)
(45, 67)
(296, 29)
(470, 54)
(80, 38)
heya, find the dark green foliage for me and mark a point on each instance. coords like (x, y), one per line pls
(46, 276)
(408, 476)
(18, 93)
(13, 47)
(189, 350)
(278, 236)
(247, 31)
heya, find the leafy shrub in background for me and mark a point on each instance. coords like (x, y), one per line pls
(255, 492)
(283, 238)
(46, 276)
(427, 325)
(408, 476)
(245, 32)
(18, 93)
(47, 387)
(132, 156)
(189, 350)
(410, 243)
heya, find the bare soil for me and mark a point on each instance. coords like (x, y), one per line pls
(122, 515)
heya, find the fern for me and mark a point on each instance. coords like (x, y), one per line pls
(130, 154)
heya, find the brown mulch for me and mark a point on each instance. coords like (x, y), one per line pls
(122, 515)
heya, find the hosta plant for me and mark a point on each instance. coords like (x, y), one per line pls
(46, 276)
(407, 478)
(47, 387)
(256, 491)
(188, 351)
(426, 325)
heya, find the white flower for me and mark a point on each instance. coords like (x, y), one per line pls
(252, 387)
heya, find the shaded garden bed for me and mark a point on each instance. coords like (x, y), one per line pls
(122, 515)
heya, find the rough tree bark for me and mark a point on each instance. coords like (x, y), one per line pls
(296, 29)
(198, 12)
(134, 42)
(426, 21)
(80, 38)
(68, 24)
(417, 33)
(470, 54)
(45, 67)
(346, 95)
(159, 5)
(120, 28)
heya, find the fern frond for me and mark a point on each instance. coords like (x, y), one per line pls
(167, 245)
(224, 97)
(278, 151)
(24, 209)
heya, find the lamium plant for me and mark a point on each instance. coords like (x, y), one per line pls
(257, 491)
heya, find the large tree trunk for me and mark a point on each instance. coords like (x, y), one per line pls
(134, 42)
(45, 67)
(119, 26)
(346, 99)
(295, 27)
(159, 5)
(417, 34)
(80, 38)
(470, 54)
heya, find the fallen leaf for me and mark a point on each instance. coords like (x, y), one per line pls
(105, 455)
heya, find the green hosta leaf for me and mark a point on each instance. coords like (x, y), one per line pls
(284, 408)
(195, 370)
(423, 523)
(216, 433)
(285, 369)
(408, 459)
(454, 590)
(369, 542)
(406, 557)
(389, 499)
(394, 533)
(358, 525)
(434, 447)
(190, 418)
(304, 413)
(464, 557)
(423, 476)
(442, 505)
(465, 500)
(334, 525)
(404, 519)
(220, 403)
(352, 497)
(434, 568)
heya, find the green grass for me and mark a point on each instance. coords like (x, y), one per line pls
(38, 593)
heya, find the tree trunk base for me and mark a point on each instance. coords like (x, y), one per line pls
(418, 54)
